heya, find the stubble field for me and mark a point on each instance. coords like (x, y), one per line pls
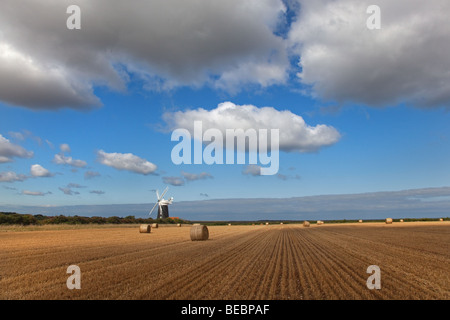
(274, 262)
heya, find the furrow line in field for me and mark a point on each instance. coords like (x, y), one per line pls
(400, 247)
(247, 273)
(264, 287)
(206, 275)
(309, 282)
(290, 268)
(199, 271)
(395, 286)
(350, 265)
(322, 286)
(262, 266)
(276, 261)
(306, 279)
(337, 273)
(406, 278)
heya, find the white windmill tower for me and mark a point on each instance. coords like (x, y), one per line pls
(163, 205)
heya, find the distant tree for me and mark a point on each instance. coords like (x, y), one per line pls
(39, 219)
(114, 220)
(98, 220)
(28, 219)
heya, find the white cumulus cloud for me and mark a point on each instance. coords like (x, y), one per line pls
(64, 147)
(10, 176)
(39, 84)
(405, 61)
(9, 150)
(39, 171)
(294, 133)
(126, 161)
(174, 181)
(166, 44)
(62, 159)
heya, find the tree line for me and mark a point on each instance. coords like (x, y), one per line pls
(13, 218)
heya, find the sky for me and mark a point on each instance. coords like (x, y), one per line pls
(87, 115)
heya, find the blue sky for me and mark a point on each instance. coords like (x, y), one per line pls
(388, 122)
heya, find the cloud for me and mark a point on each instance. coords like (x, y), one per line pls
(294, 133)
(34, 193)
(64, 147)
(196, 176)
(252, 169)
(91, 174)
(62, 159)
(186, 176)
(39, 85)
(4, 159)
(68, 191)
(25, 134)
(226, 45)
(49, 143)
(10, 176)
(222, 44)
(99, 192)
(16, 135)
(39, 171)
(174, 181)
(126, 161)
(263, 73)
(415, 203)
(342, 60)
(287, 177)
(9, 150)
(75, 185)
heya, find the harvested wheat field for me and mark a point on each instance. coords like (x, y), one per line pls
(237, 262)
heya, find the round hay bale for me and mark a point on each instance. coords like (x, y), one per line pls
(178, 224)
(229, 224)
(441, 219)
(196, 224)
(401, 220)
(305, 224)
(281, 222)
(155, 225)
(388, 220)
(320, 222)
(267, 223)
(144, 228)
(199, 233)
(360, 221)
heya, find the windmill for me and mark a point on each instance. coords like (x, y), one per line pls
(163, 205)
